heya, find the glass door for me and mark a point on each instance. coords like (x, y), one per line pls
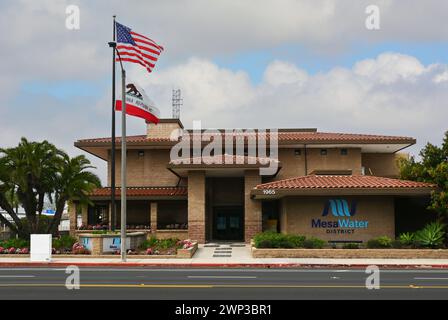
(228, 223)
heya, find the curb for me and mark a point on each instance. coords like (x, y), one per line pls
(218, 265)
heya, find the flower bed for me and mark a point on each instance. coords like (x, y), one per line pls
(351, 253)
(14, 246)
(91, 227)
(427, 243)
(170, 246)
(62, 245)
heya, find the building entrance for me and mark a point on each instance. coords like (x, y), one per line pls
(228, 223)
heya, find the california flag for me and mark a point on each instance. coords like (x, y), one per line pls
(138, 104)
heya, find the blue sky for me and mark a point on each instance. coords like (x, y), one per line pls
(255, 62)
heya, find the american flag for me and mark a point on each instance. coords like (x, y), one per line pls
(136, 48)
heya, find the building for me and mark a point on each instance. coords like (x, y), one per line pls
(335, 186)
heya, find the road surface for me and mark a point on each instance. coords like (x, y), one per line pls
(221, 284)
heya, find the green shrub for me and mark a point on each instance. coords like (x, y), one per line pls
(159, 243)
(407, 239)
(295, 240)
(272, 239)
(167, 243)
(148, 243)
(64, 242)
(266, 239)
(396, 244)
(16, 243)
(431, 236)
(380, 242)
(314, 243)
(350, 245)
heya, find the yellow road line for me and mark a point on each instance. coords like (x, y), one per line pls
(108, 285)
(209, 286)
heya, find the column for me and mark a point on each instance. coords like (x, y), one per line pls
(196, 205)
(73, 217)
(252, 208)
(153, 217)
(84, 214)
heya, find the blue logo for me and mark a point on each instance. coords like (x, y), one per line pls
(344, 224)
(339, 208)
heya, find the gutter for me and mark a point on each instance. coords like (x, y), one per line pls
(306, 161)
(176, 174)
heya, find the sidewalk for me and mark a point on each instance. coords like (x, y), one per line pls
(239, 258)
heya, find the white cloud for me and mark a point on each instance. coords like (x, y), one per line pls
(203, 84)
(389, 67)
(441, 77)
(281, 73)
(375, 96)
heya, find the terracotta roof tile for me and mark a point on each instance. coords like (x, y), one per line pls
(342, 182)
(288, 136)
(142, 191)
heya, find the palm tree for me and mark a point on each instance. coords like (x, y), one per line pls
(34, 171)
(6, 201)
(31, 169)
(73, 182)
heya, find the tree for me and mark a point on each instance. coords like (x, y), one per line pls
(432, 168)
(34, 171)
(72, 182)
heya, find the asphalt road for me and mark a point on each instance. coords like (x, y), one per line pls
(221, 284)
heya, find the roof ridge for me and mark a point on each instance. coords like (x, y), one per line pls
(374, 180)
(144, 187)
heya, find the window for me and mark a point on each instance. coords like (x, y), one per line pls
(344, 152)
(141, 153)
(323, 152)
(297, 152)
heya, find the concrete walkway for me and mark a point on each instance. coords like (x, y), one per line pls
(229, 256)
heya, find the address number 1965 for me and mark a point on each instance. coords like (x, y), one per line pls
(269, 191)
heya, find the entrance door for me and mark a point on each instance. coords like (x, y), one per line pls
(228, 223)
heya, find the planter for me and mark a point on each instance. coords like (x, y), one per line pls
(187, 253)
(351, 253)
(181, 234)
(181, 254)
(99, 244)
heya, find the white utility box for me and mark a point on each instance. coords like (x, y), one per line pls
(40, 248)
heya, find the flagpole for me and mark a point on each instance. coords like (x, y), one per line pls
(123, 160)
(123, 165)
(112, 154)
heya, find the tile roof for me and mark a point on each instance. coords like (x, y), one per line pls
(142, 191)
(287, 136)
(343, 182)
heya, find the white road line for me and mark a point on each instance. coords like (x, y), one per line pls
(18, 276)
(223, 277)
(255, 270)
(420, 278)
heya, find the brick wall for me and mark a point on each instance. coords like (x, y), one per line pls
(333, 160)
(196, 205)
(163, 129)
(252, 208)
(147, 170)
(381, 164)
(294, 165)
(378, 211)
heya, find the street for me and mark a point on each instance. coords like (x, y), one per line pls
(221, 284)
